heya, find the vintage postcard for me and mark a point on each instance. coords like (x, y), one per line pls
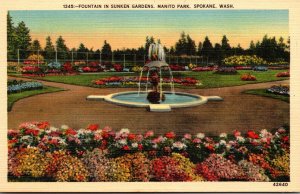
(145, 96)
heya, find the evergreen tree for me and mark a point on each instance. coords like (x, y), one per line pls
(190, 46)
(81, 51)
(23, 39)
(207, 48)
(252, 48)
(49, 49)
(106, 51)
(61, 47)
(11, 39)
(225, 47)
(199, 48)
(218, 53)
(35, 45)
(180, 46)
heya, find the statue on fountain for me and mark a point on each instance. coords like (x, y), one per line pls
(155, 96)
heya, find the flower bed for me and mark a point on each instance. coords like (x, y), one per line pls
(177, 68)
(281, 90)
(133, 81)
(203, 69)
(63, 154)
(283, 74)
(226, 70)
(248, 77)
(244, 60)
(14, 86)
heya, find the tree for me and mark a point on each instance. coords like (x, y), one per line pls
(190, 46)
(49, 49)
(35, 45)
(252, 48)
(199, 48)
(207, 48)
(218, 53)
(82, 51)
(106, 51)
(61, 47)
(22, 39)
(180, 46)
(149, 40)
(225, 47)
(11, 38)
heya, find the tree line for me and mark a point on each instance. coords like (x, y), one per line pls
(18, 37)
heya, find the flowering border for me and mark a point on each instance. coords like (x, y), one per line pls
(39, 150)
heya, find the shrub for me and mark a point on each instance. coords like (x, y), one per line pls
(248, 77)
(34, 59)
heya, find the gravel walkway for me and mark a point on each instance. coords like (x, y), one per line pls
(237, 111)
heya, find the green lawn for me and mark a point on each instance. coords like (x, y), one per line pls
(213, 80)
(263, 92)
(12, 98)
(208, 79)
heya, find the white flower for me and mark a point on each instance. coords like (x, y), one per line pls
(223, 135)
(154, 146)
(83, 132)
(99, 131)
(200, 135)
(134, 145)
(228, 146)
(179, 145)
(122, 141)
(124, 130)
(64, 127)
(240, 139)
(222, 142)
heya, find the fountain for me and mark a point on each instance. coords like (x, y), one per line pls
(157, 99)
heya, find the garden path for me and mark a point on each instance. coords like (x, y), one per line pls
(237, 111)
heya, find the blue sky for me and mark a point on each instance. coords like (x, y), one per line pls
(129, 28)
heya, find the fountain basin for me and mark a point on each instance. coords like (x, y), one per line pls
(173, 100)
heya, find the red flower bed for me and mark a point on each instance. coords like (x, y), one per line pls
(203, 69)
(177, 68)
(248, 77)
(243, 67)
(283, 74)
(118, 67)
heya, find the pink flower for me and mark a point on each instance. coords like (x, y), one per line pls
(236, 133)
(281, 130)
(158, 139)
(197, 140)
(139, 138)
(97, 137)
(187, 136)
(149, 134)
